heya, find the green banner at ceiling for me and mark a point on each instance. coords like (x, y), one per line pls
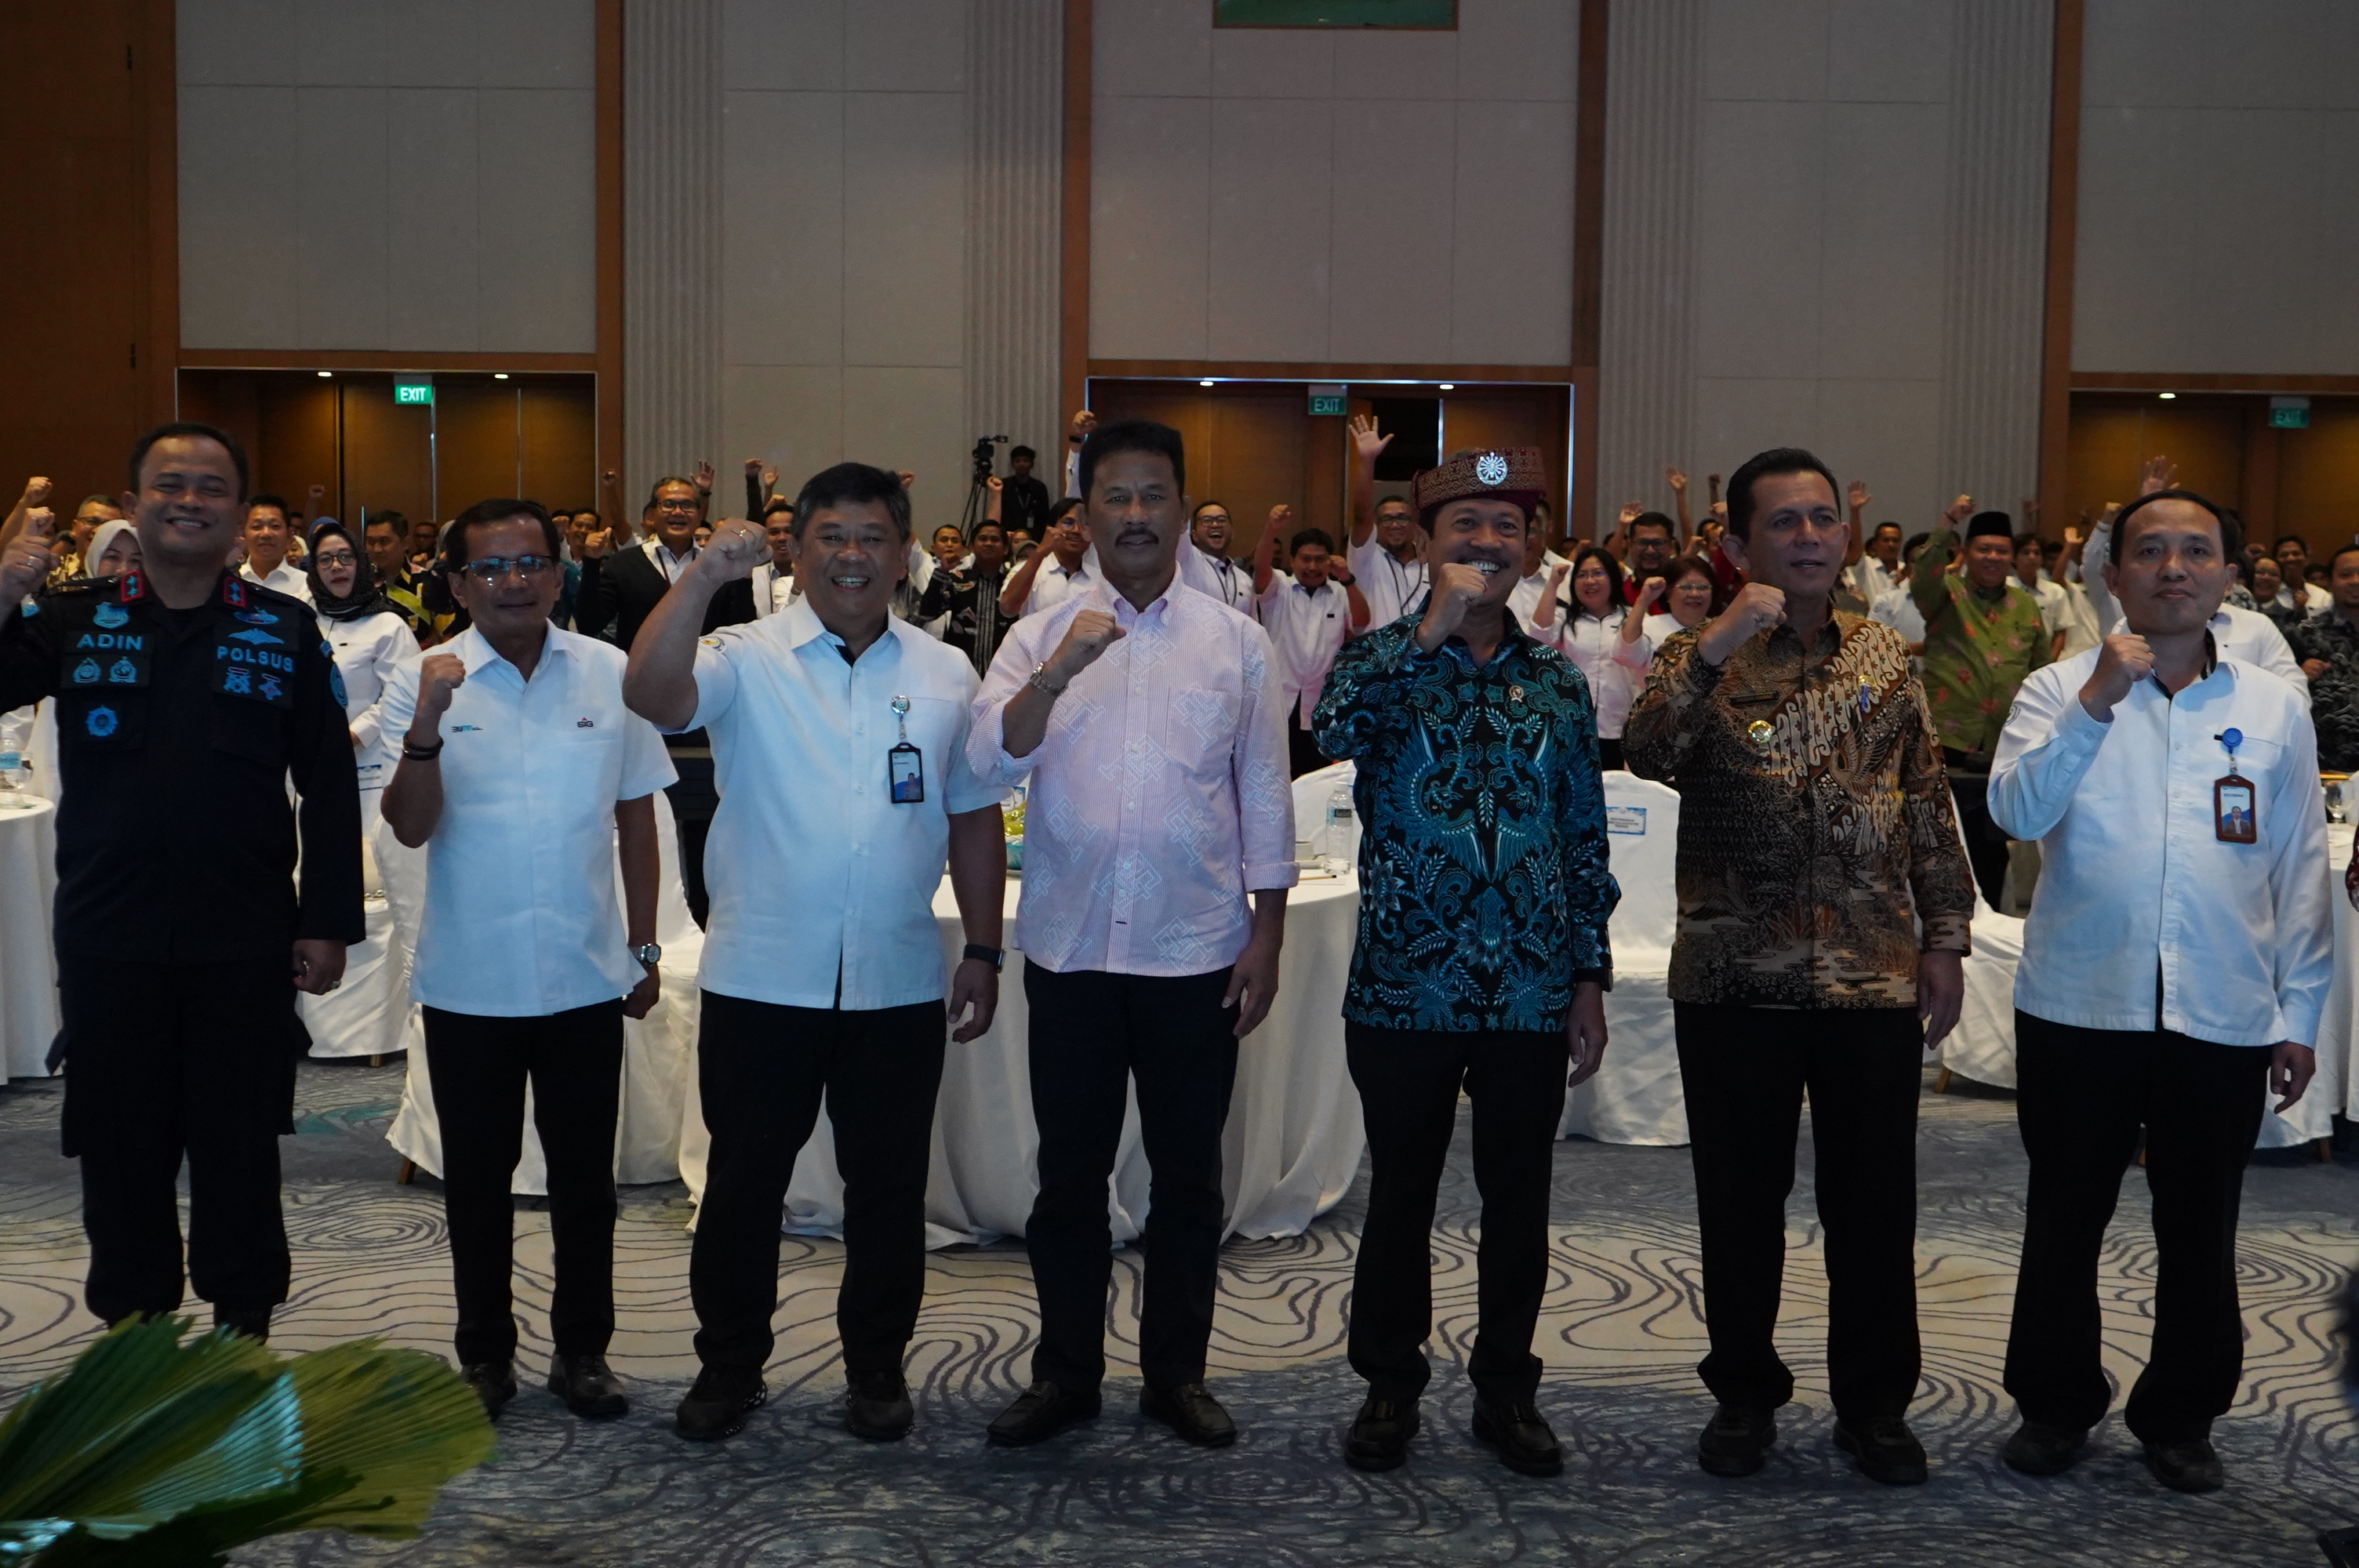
(1419, 13)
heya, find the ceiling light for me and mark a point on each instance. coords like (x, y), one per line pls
(2166, 397)
(1206, 382)
(499, 375)
(1449, 386)
(326, 373)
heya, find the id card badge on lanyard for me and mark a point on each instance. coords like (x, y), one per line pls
(2234, 820)
(905, 765)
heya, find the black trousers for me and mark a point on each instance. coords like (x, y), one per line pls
(1409, 1082)
(1986, 842)
(1609, 753)
(2081, 1096)
(694, 798)
(574, 1060)
(173, 1060)
(762, 1073)
(1093, 1033)
(1745, 1070)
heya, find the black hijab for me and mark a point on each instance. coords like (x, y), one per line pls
(366, 597)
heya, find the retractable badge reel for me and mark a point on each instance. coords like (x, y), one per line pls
(905, 765)
(2233, 819)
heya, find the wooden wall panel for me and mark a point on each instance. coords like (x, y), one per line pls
(1516, 416)
(1250, 447)
(560, 445)
(295, 444)
(2112, 433)
(73, 304)
(387, 461)
(477, 452)
(2318, 473)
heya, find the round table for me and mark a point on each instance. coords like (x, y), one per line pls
(2335, 1088)
(28, 970)
(1291, 1146)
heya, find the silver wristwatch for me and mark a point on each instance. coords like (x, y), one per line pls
(649, 955)
(1040, 681)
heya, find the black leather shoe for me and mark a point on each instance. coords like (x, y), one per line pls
(876, 1406)
(248, 1322)
(1736, 1441)
(493, 1382)
(1524, 1442)
(717, 1406)
(588, 1386)
(1041, 1412)
(2189, 1466)
(1883, 1449)
(1380, 1432)
(2039, 1450)
(1190, 1411)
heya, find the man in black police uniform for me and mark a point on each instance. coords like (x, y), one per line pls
(186, 698)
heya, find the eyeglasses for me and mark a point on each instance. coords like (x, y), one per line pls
(335, 558)
(490, 570)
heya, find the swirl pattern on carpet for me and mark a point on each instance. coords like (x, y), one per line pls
(1621, 1333)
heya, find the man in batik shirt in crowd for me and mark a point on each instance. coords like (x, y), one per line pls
(1983, 635)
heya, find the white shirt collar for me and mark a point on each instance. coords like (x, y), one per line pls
(803, 624)
(475, 652)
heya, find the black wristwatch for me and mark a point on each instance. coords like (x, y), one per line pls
(995, 957)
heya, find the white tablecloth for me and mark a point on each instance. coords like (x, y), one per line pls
(2335, 1089)
(1982, 1048)
(1291, 1147)
(28, 970)
(658, 1051)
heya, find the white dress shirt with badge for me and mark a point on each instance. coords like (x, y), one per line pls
(821, 886)
(284, 578)
(2133, 877)
(1052, 584)
(1306, 628)
(1229, 581)
(522, 916)
(1391, 586)
(1159, 795)
(367, 648)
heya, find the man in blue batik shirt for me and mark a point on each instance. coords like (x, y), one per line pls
(1482, 960)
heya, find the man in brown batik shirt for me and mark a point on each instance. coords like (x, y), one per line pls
(1816, 834)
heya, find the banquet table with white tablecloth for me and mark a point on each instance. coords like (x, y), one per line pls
(658, 1051)
(1291, 1146)
(28, 970)
(1982, 1048)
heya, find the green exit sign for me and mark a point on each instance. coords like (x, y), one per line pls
(412, 389)
(1326, 400)
(2289, 413)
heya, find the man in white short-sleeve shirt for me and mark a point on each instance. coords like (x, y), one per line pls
(839, 742)
(1310, 613)
(521, 772)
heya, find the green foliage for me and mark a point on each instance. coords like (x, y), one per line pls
(152, 1453)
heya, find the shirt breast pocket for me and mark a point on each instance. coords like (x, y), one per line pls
(1204, 726)
(254, 731)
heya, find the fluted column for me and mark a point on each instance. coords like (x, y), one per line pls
(1015, 160)
(1645, 414)
(1998, 245)
(671, 240)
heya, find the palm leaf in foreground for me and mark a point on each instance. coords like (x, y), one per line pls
(150, 1452)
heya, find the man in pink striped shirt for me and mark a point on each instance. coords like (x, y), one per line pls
(1149, 720)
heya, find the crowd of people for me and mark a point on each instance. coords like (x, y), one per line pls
(1858, 723)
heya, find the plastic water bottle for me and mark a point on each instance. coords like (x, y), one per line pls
(13, 730)
(1342, 827)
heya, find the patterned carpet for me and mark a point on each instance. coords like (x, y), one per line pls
(1621, 1337)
